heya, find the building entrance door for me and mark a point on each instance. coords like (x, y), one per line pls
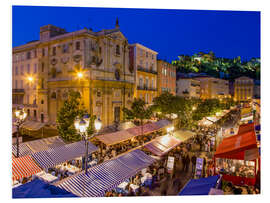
(117, 114)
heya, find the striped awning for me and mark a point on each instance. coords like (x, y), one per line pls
(58, 155)
(28, 148)
(162, 145)
(24, 167)
(123, 135)
(114, 138)
(23, 149)
(106, 176)
(32, 125)
(163, 123)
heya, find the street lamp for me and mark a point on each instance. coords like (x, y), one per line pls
(170, 129)
(20, 115)
(81, 125)
(80, 75)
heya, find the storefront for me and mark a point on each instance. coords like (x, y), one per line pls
(237, 158)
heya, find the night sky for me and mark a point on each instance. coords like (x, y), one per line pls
(169, 32)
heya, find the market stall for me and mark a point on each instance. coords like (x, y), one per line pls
(24, 167)
(28, 148)
(183, 135)
(58, 155)
(39, 189)
(162, 145)
(107, 176)
(201, 186)
(237, 158)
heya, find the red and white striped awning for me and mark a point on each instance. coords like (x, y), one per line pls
(24, 167)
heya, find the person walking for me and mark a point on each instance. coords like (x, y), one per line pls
(193, 161)
(187, 163)
(164, 185)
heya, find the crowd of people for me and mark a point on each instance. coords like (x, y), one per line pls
(105, 153)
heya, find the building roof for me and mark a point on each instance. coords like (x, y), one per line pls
(143, 47)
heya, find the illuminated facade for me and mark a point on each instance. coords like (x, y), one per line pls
(213, 88)
(188, 87)
(166, 79)
(94, 63)
(243, 88)
(144, 62)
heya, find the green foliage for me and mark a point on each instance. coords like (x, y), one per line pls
(66, 115)
(211, 65)
(138, 111)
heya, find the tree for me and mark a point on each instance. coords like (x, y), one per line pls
(66, 115)
(138, 111)
(162, 104)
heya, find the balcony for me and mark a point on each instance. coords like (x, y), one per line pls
(18, 91)
(146, 88)
(139, 68)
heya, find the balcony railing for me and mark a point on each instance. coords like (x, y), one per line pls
(18, 90)
(139, 68)
(146, 88)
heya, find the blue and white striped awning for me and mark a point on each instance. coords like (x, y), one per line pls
(28, 148)
(23, 149)
(58, 155)
(106, 176)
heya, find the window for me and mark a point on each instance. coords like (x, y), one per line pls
(146, 98)
(152, 56)
(28, 55)
(141, 62)
(35, 53)
(152, 83)
(78, 45)
(27, 100)
(42, 101)
(146, 82)
(28, 68)
(43, 52)
(146, 65)
(42, 67)
(100, 50)
(117, 49)
(140, 82)
(35, 113)
(65, 48)
(146, 54)
(28, 112)
(42, 83)
(54, 51)
(141, 52)
(35, 68)
(22, 57)
(16, 70)
(16, 84)
(22, 70)
(53, 96)
(21, 84)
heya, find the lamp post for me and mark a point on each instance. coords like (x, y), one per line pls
(20, 118)
(81, 125)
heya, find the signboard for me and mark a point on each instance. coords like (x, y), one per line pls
(199, 167)
(170, 164)
(251, 154)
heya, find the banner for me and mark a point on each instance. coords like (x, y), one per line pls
(170, 164)
(199, 167)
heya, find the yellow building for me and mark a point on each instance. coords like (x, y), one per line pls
(213, 88)
(93, 63)
(243, 89)
(144, 61)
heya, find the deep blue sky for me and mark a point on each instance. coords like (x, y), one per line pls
(169, 32)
